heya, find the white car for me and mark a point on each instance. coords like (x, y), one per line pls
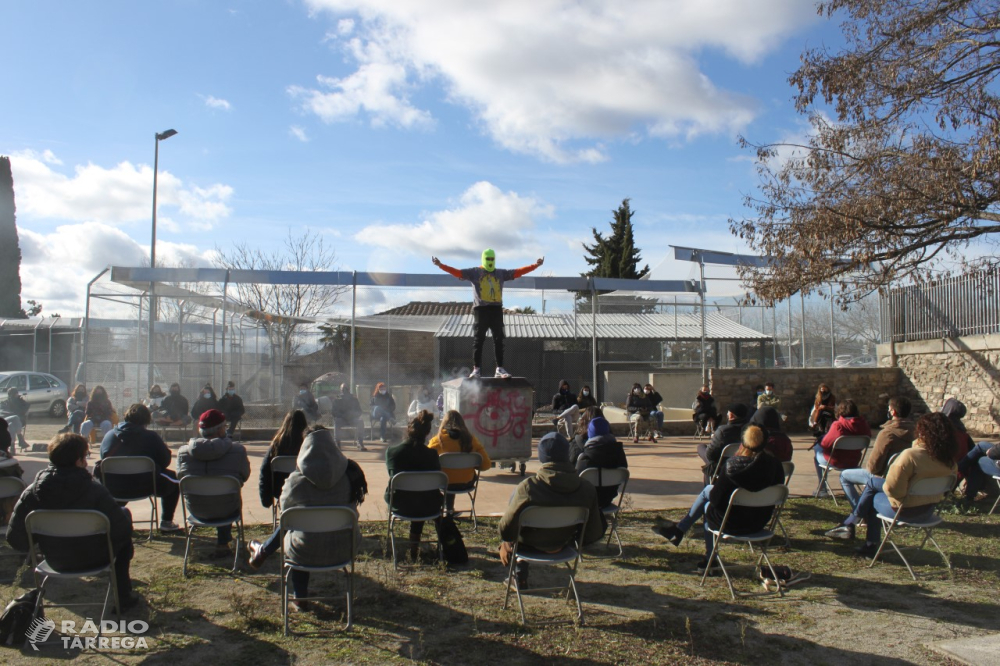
(842, 360)
(864, 362)
(43, 392)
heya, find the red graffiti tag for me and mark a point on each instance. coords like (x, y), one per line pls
(496, 412)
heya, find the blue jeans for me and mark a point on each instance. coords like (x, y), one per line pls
(850, 479)
(820, 458)
(74, 421)
(358, 424)
(978, 469)
(383, 416)
(873, 502)
(696, 511)
(272, 543)
(658, 415)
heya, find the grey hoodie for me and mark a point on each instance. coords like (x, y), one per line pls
(319, 479)
(213, 457)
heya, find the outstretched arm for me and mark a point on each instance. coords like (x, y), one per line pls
(518, 272)
(446, 268)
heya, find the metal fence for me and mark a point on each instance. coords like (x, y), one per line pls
(949, 308)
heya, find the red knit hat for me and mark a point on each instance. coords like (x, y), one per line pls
(213, 418)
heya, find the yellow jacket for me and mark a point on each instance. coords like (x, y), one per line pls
(912, 465)
(442, 443)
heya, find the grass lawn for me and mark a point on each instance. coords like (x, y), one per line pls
(646, 607)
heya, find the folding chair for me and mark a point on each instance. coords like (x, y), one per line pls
(415, 482)
(938, 486)
(603, 478)
(774, 496)
(279, 465)
(469, 461)
(210, 486)
(996, 477)
(11, 486)
(319, 519)
(633, 425)
(845, 443)
(728, 451)
(71, 524)
(138, 466)
(548, 518)
(789, 468)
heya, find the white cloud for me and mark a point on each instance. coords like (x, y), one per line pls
(298, 133)
(216, 103)
(118, 195)
(550, 78)
(484, 216)
(345, 26)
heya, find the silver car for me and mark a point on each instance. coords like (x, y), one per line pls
(42, 391)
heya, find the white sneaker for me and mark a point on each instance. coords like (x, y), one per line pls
(502, 374)
(474, 374)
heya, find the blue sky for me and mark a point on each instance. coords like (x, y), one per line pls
(399, 130)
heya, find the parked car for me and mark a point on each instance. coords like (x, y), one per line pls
(863, 362)
(842, 360)
(817, 362)
(43, 392)
(125, 383)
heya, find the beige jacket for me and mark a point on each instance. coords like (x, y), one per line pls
(914, 464)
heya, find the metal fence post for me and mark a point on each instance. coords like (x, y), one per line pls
(86, 325)
(593, 340)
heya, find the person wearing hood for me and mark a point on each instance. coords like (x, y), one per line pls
(413, 455)
(454, 437)
(323, 476)
(173, 408)
(954, 409)
(206, 400)
(730, 433)
(232, 406)
(67, 484)
(848, 423)
(565, 407)
(305, 401)
(131, 438)
(753, 469)
(214, 454)
(776, 442)
(555, 484)
(603, 451)
(383, 407)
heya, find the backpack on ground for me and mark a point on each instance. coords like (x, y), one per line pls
(451, 541)
(17, 617)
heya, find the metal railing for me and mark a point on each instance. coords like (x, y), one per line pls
(948, 308)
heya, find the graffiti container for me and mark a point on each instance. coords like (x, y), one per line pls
(498, 412)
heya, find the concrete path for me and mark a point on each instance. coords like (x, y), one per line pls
(978, 651)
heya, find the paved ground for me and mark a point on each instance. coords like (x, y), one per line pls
(978, 651)
(664, 475)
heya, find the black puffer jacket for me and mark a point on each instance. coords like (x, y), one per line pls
(730, 433)
(69, 488)
(562, 401)
(604, 452)
(752, 473)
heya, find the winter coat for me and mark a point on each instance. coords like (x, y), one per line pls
(638, 404)
(128, 439)
(269, 489)
(99, 411)
(765, 400)
(603, 452)
(912, 465)
(855, 425)
(777, 443)
(585, 401)
(705, 404)
(232, 407)
(213, 457)
(346, 407)
(562, 401)
(9, 465)
(443, 443)
(555, 484)
(17, 406)
(576, 447)
(74, 405)
(895, 437)
(319, 479)
(654, 400)
(413, 456)
(176, 406)
(307, 403)
(752, 473)
(70, 487)
(202, 405)
(386, 402)
(418, 406)
(730, 433)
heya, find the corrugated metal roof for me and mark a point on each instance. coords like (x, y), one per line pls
(609, 327)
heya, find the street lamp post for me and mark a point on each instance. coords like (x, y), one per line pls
(160, 136)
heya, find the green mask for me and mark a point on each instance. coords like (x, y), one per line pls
(489, 260)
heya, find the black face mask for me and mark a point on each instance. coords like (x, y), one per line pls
(175, 391)
(454, 433)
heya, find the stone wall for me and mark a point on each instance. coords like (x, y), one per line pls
(966, 368)
(870, 388)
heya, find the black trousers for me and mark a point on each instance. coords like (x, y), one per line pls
(487, 318)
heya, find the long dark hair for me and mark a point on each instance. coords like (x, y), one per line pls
(937, 434)
(819, 395)
(418, 429)
(288, 440)
(99, 395)
(453, 421)
(586, 416)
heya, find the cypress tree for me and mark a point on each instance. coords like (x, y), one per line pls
(10, 250)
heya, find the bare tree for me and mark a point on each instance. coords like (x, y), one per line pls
(284, 308)
(906, 174)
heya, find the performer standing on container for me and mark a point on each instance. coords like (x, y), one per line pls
(487, 284)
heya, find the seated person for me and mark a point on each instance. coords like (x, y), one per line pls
(930, 457)
(954, 409)
(776, 442)
(231, 405)
(347, 413)
(586, 398)
(206, 400)
(555, 484)
(848, 422)
(413, 455)
(824, 411)
(752, 468)
(305, 402)
(654, 404)
(603, 451)
(14, 410)
(895, 436)
(154, 399)
(323, 476)
(8, 467)
(383, 407)
(173, 410)
(67, 484)
(76, 409)
(980, 465)
(639, 411)
(423, 402)
(564, 406)
(454, 437)
(581, 435)
(99, 413)
(130, 438)
(287, 442)
(214, 454)
(705, 412)
(769, 397)
(729, 433)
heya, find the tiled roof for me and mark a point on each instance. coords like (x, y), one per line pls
(431, 308)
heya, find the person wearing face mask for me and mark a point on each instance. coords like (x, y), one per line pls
(154, 399)
(231, 405)
(564, 406)
(306, 402)
(454, 437)
(423, 402)
(206, 400)
(173, 409)
(654, 403)
(769, 397)
(586, 398)
(99, 413)
(639, 409)
(824, 408)
(705, 412)
(487, 284)
(383, 407)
